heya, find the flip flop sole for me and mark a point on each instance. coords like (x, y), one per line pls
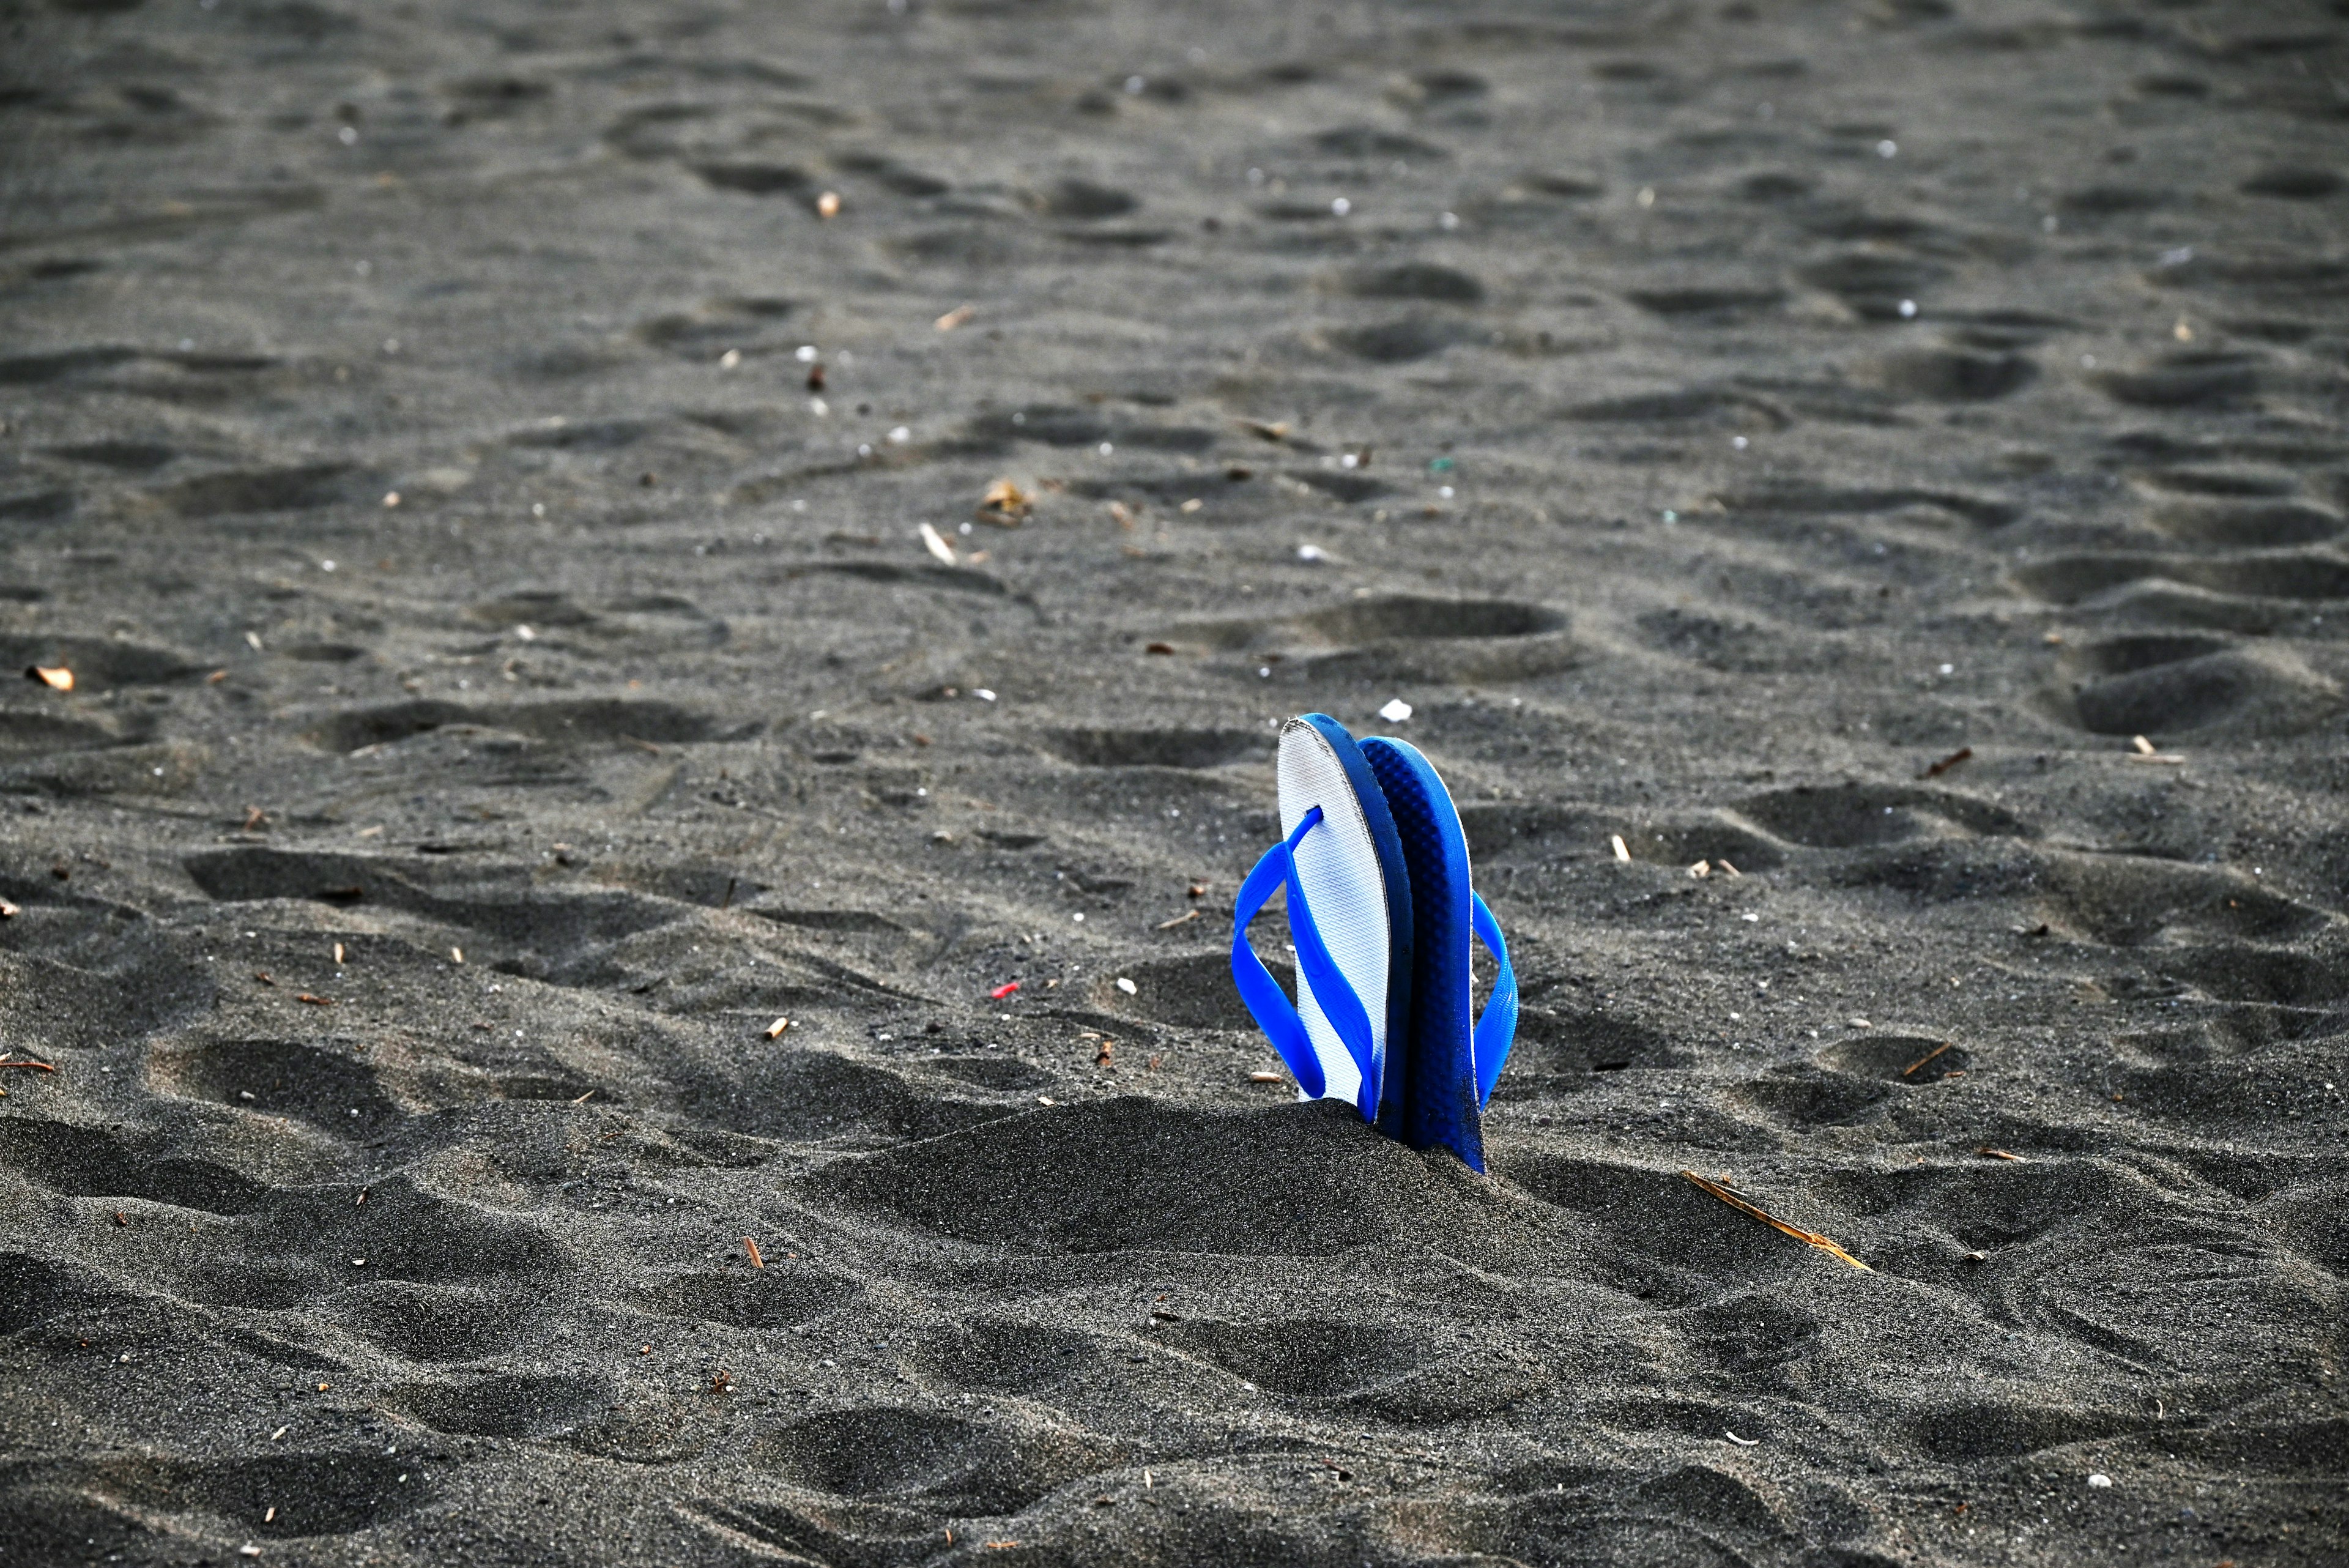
(1353, 873)
(1443, 1107)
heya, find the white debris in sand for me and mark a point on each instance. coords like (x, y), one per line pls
(1396, 712)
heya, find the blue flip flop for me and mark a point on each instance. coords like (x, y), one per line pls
(1350, 915)
(1375, 865)
(1455, 1057)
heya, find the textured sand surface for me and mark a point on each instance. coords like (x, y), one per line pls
(1708, 417)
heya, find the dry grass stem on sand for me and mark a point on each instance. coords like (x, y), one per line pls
(1810, 1238)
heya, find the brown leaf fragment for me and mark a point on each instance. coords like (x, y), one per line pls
(1005, 503)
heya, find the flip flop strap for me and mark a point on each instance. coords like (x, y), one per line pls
(1497, 1027)
(1330, 989)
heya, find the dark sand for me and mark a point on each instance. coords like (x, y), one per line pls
(648, 697)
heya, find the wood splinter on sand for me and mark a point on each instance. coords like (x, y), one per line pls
(775, 1030)
(752, 1248)
(959, 316)
(2002, 1154)
(56, 676)
(1957, 758)
(1266, 1078)
(1921, 1061)
(1753, 1210)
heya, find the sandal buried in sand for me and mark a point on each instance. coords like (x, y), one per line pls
(1376, 869)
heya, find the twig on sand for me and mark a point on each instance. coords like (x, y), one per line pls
(1921, 1061)
(1266, 1078)
(1811, 1238)
(1957, 758)
(752, 1248)
(1185, 917)
(584, 1098)
(5, 1061)
(2002, 1154)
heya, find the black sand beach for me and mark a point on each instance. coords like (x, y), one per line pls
(1884, 462)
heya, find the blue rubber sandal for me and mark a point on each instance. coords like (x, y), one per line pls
(1349, 914)
(1454, 1058)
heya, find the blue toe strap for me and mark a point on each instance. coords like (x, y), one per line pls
(1330, 989)
(1497, 1030)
